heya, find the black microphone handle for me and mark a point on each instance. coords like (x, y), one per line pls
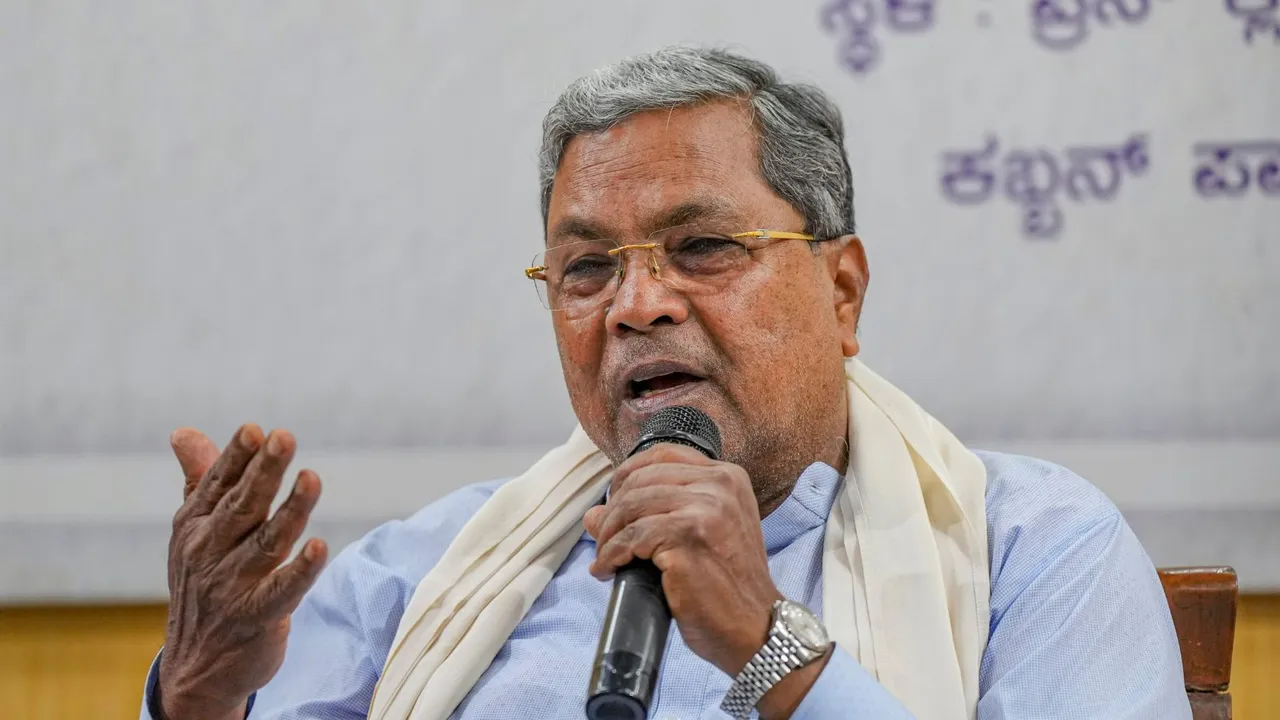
(631, 645)
(634, 636)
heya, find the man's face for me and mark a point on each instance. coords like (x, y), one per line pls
(763, 356)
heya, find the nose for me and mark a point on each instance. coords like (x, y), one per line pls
(643, 301)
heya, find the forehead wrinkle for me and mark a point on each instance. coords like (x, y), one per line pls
(693, 205)
(599, 167)
(576, 228)
(698, 208)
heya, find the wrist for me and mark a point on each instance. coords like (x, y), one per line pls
(175, 704)
(782, 699)
(780, 674)
(198, 710)
(753, 636)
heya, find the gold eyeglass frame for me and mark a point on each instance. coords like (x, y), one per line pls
(531, 272)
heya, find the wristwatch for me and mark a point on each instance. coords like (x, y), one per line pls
(796, 638)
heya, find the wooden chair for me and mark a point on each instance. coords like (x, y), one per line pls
(1203, 603)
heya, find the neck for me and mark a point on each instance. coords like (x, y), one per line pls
(773, 485)
(771, 502)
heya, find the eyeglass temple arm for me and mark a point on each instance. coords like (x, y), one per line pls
(773, 235)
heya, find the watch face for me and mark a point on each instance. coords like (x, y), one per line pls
(804, 625)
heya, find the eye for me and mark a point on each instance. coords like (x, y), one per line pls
(589, 266)
(708, 245)
(708, 255)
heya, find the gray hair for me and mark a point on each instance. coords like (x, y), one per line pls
(801, 133)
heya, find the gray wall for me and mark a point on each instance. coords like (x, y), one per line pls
(315, 214)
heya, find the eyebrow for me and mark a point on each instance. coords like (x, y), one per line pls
(693, 211)
(576, 228)
(699, 209)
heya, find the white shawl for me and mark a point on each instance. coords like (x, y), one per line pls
(906, 583)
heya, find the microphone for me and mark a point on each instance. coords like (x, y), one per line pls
(634, 636)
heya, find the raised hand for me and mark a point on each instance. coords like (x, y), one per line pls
(229, 596)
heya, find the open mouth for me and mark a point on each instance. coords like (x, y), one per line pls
(657, 384)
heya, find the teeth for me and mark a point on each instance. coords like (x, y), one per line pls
(641, 389)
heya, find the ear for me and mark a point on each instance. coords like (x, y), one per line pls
(849, 285)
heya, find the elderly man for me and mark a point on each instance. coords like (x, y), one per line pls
(700, 251)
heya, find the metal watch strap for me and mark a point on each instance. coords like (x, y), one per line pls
(780, 655)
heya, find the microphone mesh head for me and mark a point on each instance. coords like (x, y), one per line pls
(673, 424)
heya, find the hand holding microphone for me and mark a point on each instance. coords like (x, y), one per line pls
(696, 519)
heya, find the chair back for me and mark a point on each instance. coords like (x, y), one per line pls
(1202, 601)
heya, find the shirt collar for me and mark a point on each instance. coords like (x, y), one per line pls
(804, 509)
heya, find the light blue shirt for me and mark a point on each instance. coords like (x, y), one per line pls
(1079, 623)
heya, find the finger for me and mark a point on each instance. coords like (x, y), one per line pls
(657, 474)
(196, 453)
(281, 591)
(626, 508)
(658, 454)
(246, 505)
(640, 540)
(591, 519)
(271, 542)
(226, 470)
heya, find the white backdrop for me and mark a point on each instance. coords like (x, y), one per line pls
(314, 214)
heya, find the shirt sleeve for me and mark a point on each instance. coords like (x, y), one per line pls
(844, 689)
(338, 639)
(150, 706)
(1080, 627)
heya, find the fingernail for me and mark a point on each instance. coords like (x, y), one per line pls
(250, 436)
(309, 551)
(275, 445)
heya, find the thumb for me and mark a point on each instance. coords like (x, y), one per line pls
(196, 454)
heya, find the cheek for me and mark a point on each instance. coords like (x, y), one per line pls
(581, 344)
(771, 334)
(768, 320)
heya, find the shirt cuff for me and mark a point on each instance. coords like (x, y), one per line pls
(151, 695)
(845, 689)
